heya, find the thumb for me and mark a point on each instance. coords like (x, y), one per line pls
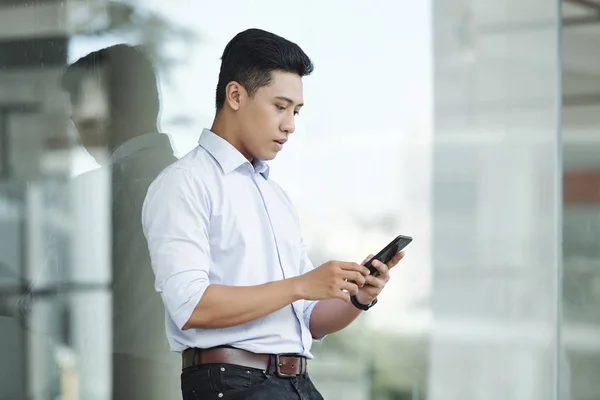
(366, 260)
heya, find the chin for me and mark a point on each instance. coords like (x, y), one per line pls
(266, 156)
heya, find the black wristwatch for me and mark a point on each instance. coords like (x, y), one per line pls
(362, 306)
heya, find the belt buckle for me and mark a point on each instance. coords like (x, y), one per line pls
(280, 364)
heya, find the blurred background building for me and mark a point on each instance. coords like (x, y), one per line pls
(471, 125)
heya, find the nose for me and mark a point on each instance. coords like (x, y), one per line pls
(288, 126)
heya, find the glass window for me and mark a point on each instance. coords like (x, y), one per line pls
(581, 183)
(438, 120)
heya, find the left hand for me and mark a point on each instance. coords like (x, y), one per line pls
(375, 284)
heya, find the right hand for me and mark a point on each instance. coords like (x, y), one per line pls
(331, 279)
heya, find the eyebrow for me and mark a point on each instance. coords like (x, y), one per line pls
(287, 99)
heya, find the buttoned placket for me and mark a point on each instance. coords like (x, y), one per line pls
(259, 181)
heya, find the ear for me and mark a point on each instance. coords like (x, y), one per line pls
(235, 94)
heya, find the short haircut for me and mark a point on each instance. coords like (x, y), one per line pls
(251, 56)
(126, 73)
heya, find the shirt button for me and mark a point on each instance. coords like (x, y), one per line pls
(220, 394)
(222, 370)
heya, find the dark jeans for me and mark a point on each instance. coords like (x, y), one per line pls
(226, 381)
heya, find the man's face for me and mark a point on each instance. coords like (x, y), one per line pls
(267, 118)
(91, 116)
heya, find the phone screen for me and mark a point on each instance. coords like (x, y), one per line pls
(389, 251)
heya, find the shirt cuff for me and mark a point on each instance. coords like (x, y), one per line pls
(181, 295)
(309, 306)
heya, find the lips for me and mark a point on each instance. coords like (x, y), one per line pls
(279, 143)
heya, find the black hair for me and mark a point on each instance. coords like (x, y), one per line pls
(128, 76)
(251, 56)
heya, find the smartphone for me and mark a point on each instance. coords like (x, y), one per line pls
(389, 251)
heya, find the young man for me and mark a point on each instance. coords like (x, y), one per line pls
(243, 300)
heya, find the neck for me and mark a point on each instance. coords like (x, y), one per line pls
(226, 129)
(122, 134)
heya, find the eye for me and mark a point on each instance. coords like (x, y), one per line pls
(296, 112)
(280, 108)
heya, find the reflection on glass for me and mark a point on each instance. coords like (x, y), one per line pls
(114, 107)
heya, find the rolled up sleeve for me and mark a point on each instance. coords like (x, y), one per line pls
(175, 220)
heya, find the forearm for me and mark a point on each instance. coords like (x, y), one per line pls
(330, 316)
(226, 306)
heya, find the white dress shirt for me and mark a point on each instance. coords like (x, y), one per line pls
(212, 217)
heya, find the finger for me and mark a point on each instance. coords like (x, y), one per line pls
(349, 287)
(349, 266)
(395, 260)
(366, 260)
(355, 277)
(374, 282)
(343, 296)
(380, 267)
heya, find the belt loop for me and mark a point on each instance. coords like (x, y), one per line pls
(272, 369)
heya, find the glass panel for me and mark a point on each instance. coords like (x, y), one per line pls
(470, 313)
(581, 199)
(495, 200)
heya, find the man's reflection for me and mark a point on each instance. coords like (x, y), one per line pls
(115, 106)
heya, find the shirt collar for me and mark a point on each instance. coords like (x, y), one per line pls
(228, 157)
(133, 145)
